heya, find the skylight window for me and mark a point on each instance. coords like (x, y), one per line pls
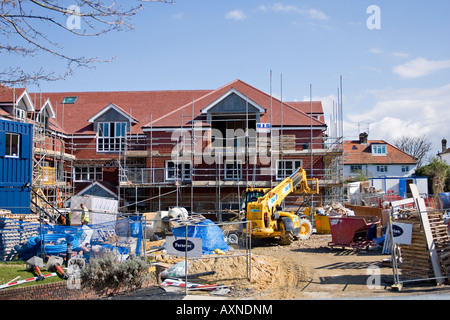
(69, 100)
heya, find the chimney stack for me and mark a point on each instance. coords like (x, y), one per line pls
(363, 138)
(444, 145)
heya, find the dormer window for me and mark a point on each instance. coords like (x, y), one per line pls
(111, 136)
(112, 125)
(379, 149)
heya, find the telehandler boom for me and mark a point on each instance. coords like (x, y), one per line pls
(262, 209)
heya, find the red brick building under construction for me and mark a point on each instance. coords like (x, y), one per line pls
(193, 148)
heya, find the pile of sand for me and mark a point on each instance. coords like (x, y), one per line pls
(266, 272)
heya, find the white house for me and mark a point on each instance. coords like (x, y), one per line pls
(376, 159)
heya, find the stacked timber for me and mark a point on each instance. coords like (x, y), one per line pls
(415, 262)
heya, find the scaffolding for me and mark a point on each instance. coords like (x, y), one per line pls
(201, 173)
(156, 171)
(52, 168)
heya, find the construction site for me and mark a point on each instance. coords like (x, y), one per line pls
(230, 193)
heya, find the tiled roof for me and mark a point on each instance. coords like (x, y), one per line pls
(171, 108)
(140, 105)
(7, 94)
(357, 153)
(281, 111)
(306, 106)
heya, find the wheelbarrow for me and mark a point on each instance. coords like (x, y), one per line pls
(353, 232)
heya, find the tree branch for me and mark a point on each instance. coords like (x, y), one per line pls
(29, 21)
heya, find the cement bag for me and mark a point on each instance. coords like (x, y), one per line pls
(211, 235)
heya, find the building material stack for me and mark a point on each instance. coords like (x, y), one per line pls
(15, 229)
(415, 262)
(9, 237)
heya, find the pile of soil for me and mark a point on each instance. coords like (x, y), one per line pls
(266, 272)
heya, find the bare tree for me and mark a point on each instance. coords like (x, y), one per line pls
(26, 27)
(416, 146)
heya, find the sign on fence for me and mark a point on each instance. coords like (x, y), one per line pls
(402, 233)
(181, 246)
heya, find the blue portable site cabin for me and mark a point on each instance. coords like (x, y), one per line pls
(16, 142)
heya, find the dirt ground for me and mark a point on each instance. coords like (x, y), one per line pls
(310, 270)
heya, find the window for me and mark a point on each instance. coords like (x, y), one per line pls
(355, 168)
(286, 167)
(180, 171)
(84, 174)
(69, 100)
(379, 149)
(20, 114)
(110, 136)
(233, 170)
(12, 145)
(382, 168)
(405, 168)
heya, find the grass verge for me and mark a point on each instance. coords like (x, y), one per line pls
(13, 269)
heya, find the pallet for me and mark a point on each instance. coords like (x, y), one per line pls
(21, 217)
(415, 258)
(190, 220)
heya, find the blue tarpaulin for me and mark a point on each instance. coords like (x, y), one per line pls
(210, 233)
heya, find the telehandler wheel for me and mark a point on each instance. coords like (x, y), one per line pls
(305, 229)
(287, 237)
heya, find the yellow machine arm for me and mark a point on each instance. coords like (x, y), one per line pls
(297, 181)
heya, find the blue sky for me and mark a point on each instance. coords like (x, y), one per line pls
(396, 79)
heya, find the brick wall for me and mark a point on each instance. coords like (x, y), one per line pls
(52, 291)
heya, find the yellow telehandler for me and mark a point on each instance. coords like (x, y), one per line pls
(262, 206)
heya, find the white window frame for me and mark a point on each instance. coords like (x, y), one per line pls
(379, 149)
(286, 172)
(111, 141)
(354, 168)
(9, 145)
(233, 170)
(405, 168)
(20, 114)
(184, 170)
(382, 168)
(87, 174)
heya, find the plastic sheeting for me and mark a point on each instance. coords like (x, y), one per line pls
(22, 240)
(210, 233)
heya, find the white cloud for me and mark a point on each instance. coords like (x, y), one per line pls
(394, 54)
(236, 15)
(262, 8)
(327, 103)
(399, 112)
(311, 13)
(376, 50)
(400, 54)
(178, 16)
(420, 67)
